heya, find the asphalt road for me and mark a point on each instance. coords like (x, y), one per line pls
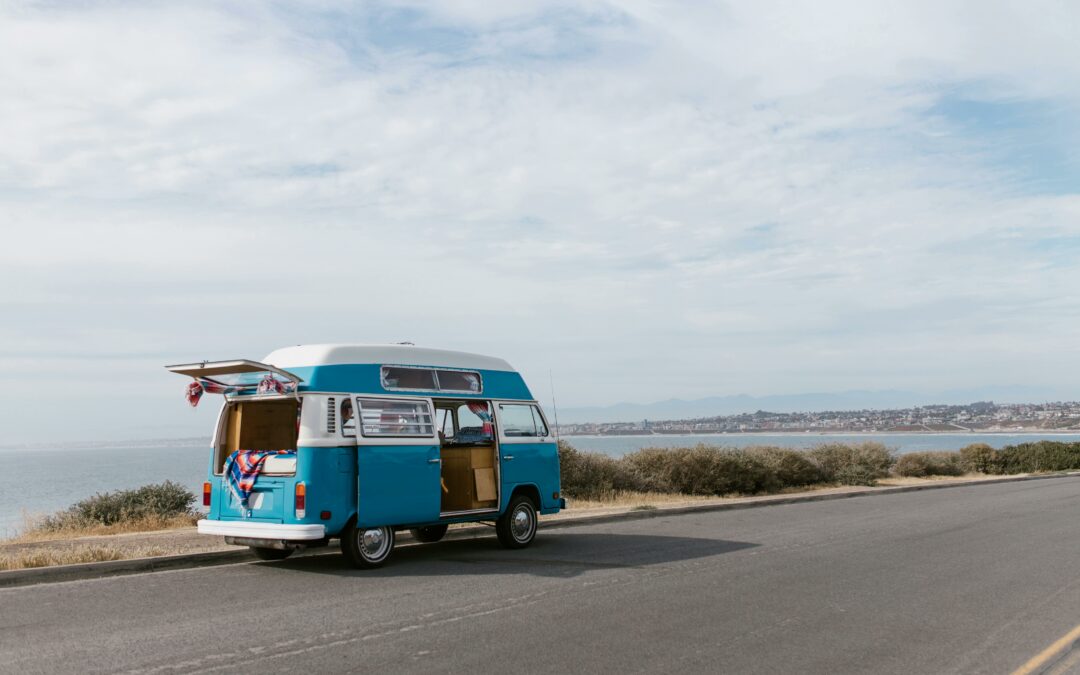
(972, 579)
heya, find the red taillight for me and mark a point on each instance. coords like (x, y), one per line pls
(206, 494)
(301, 500)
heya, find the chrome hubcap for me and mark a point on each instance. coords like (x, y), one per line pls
(521, 524)
(373, 543)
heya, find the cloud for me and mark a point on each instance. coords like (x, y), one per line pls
(649, 201)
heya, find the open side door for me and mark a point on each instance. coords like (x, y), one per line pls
(236, 375)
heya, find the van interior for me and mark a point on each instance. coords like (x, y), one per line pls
(468, 451)
(259, 425)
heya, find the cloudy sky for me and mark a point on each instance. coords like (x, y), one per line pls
(646, 199)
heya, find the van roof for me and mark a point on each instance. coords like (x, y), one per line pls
(404, 355)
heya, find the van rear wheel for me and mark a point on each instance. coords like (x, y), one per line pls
(263, 553)
(367, 547)
(429, 534)
(516, 527)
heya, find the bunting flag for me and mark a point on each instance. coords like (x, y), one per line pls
(194, 393)
(268, 385)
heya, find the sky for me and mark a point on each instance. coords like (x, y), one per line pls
(634, 200)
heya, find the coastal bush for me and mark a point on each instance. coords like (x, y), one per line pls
(852, 464)
(1038, 456)
(920, 464)
(591, 475)
(980, 458)
(701, 470)
(791, 468)
(709, 470)
(158, 502)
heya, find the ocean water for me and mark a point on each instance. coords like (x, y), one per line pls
(44, 480)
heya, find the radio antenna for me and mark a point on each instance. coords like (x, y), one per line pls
(554, 407)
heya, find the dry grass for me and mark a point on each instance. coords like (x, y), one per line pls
(648, 500)
(644, 500)
(47, 557)
(635, 499)
(897, 481)
(151, 523)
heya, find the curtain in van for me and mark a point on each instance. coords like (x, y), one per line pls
(481, 410)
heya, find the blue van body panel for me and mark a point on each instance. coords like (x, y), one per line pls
(397, 484)
(535, 464)
(329, 475)
(367, 378)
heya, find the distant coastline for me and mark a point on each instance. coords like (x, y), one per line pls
(980, 417)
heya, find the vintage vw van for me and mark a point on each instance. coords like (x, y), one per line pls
(357, 442)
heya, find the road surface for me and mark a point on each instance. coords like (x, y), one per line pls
(960, 580)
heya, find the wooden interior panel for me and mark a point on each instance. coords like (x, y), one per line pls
(258, 425)
(482, 457)
(268, 425)
(485, 485)
(469, 476)
(457, 477)
(232, 433)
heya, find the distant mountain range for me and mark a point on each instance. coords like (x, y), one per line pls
(677, 409)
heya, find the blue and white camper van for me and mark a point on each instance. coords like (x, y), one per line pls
(359, 441)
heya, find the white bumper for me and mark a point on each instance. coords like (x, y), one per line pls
(242, 528)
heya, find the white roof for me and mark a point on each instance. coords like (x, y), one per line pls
(402, 355)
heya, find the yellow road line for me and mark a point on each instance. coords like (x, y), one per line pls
(1045, 656)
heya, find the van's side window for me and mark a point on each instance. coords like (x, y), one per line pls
(521, 420)
(379, 417)
(348, 419)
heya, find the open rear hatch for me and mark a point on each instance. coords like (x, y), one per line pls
(239, 376)
(255, 418)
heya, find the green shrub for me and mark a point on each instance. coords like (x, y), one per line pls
(591, 475)
(792, 468)
(1039, 456)
(854, 464)
(707, 470)
(980, 457)
(701, 470)
(163, 500)
(919, 464)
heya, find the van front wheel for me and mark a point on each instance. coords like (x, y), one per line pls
(367, 547)
(516, 527)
